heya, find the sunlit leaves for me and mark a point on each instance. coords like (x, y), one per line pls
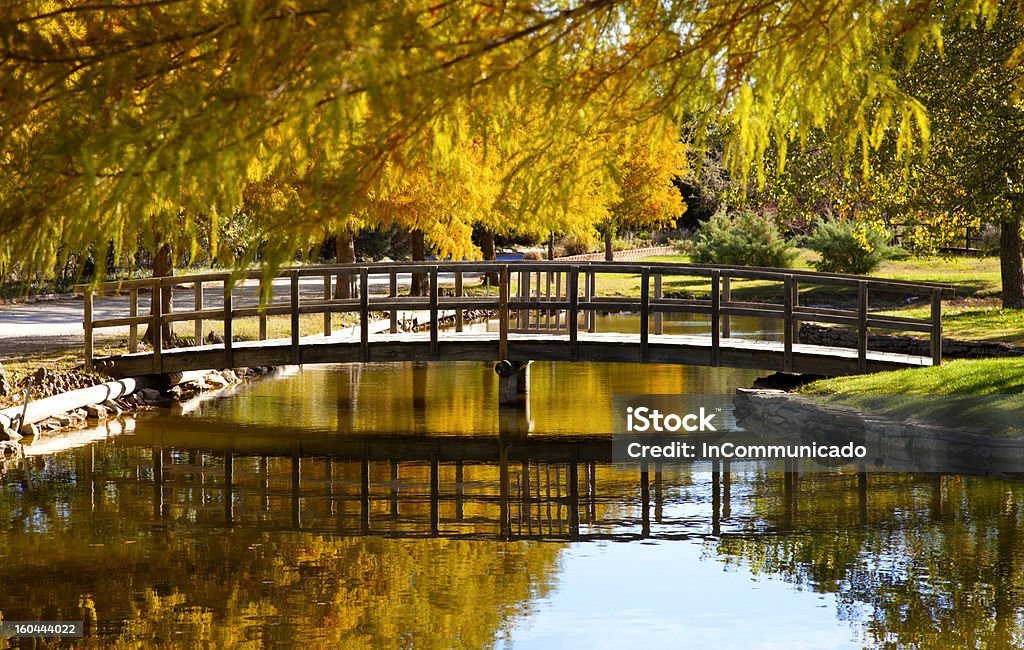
(112, 111)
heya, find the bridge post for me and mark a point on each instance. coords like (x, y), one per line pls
(573, 317)
(87, 322)
(364, 313)
(328, 315)
(513, 381)
(862, 326)
(157, 329)
(229, 355)
(198, 324)
(787, 320)
(716, 317)
(726, 297)
(658, 316)
(393, 292)
(295, 317)
(434, 349)
(458, 294)
(936, 343)
(133, 329)
(503, 291)
(645, 314)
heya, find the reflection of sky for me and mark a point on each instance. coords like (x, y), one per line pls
(666, 596)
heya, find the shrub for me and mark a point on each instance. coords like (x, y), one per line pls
(742, 238)
(988, 239)
(849, 247)
(576, 244)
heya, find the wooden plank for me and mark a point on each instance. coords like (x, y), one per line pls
(645, 314)
(364, 312)
(295, 333)
(726, 297)
(574, 312)
(87, 324)
(936, 335)
(229, 359)
(328, 314)
(458, 294)
(393, 292)
(862, 326)
(503, 290)
(787, 319)
(133, 329)
(198, 306)
(716, 318)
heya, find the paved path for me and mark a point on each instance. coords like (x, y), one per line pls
(48, 324)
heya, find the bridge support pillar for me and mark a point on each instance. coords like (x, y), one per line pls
(513, 381)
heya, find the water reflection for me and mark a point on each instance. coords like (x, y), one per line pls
(291, 514)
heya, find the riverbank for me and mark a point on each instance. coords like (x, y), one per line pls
(77, 400)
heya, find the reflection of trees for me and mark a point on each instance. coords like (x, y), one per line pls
(95, 552)
(457, 397)
(932, 570)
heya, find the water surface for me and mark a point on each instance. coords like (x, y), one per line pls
(395, 505)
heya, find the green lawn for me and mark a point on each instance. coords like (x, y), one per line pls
(940, 395)
(966, 376)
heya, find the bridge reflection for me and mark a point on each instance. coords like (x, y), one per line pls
(409, 487)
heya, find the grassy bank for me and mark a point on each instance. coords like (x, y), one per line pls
(967, 376)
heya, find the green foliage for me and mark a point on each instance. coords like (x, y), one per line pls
(848, 247)
(744, 238)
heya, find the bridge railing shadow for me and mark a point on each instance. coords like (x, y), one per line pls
(557, 299)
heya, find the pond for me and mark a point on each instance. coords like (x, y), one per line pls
(395, 505)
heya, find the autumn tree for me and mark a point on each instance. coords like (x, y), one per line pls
(647, 196)
(109, 107)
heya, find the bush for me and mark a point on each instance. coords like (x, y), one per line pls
(743, 238)
(576, 244)
(849, 247)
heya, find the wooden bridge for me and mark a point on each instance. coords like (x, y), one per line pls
(544, 311)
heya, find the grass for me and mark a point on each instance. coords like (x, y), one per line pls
(939, 395)
(966, 376)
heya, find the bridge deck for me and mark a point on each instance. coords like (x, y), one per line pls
(484, 346)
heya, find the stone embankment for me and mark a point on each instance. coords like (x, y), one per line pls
(951, 349)
(892, 443)
(75, 400)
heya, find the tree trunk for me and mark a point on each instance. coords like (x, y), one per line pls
(419, 253)
(1011, 266)
(551, 245)
(609, 252)
(487, 248)
(163, 267)
(345, 253)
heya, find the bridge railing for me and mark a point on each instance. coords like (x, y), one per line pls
(558, 298)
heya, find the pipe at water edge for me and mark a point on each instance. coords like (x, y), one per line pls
(39, 410)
